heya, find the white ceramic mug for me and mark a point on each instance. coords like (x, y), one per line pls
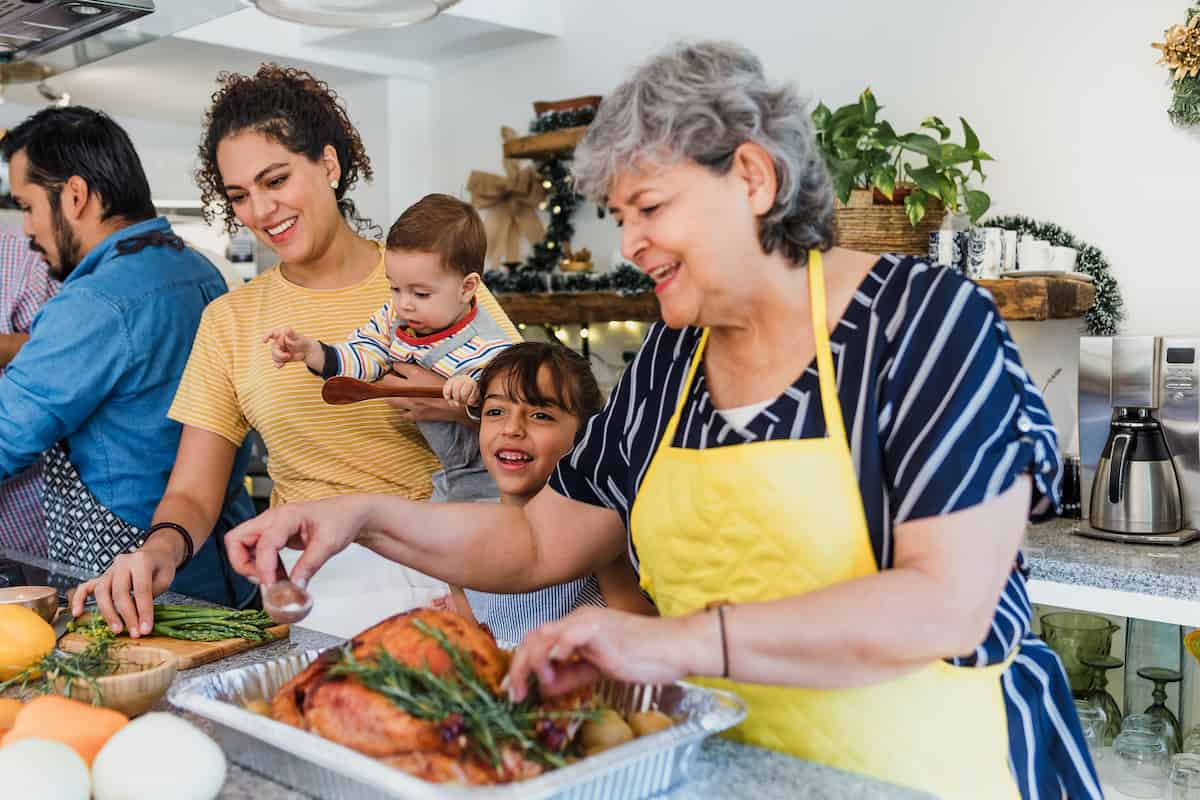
(1062, 259)
(1033, 254)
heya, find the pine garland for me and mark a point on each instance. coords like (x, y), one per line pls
(1185, 98)
(560, 203)
(1104, 317)
(557, 120)
(537, 273)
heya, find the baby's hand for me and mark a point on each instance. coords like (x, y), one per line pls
(287, 345)
(461, 390)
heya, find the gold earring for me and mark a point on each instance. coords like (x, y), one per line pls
(333, 185)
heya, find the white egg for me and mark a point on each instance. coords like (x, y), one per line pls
(44, 769)
(156, 756)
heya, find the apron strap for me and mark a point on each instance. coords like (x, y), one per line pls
(826, 377)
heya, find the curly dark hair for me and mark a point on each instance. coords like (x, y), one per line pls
(296, 110)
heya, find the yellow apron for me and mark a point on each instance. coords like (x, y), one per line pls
(767, 520)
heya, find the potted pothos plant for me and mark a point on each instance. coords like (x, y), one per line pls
(923, 173)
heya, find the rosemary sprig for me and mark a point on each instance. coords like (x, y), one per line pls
(463, 704)
(94, 661)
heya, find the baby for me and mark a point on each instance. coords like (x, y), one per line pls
(435, 252)
(536, 397)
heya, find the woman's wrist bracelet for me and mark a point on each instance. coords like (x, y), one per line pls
(719, 607)
(189, 546)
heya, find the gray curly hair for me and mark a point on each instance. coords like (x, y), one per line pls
(700, 102)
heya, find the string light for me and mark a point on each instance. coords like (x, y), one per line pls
(520, 326)
(630, 325)
(558, 209)
(560, 334)
(614, 324)
(546, 184)
(583, 332)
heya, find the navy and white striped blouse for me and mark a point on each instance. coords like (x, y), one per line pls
(941, 416)
(510, 616)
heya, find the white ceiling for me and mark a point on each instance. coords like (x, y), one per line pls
(172, 78)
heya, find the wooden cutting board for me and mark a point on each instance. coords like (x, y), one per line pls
(190, 654)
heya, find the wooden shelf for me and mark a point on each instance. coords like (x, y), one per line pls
(1017, 298)
(545, 145)
(569, 308)
(1039, 299)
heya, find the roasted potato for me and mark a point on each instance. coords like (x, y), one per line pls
(645, 723)
(608, 731)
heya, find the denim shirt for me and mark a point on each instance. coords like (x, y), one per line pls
(100, 369)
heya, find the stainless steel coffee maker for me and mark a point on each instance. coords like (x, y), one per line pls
(1139, 438)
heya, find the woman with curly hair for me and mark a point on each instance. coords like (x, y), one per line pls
(280, 156)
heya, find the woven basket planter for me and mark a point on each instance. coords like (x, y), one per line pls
(871, 224)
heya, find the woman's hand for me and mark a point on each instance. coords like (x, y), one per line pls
(592, 642)
(125, 593)
(420, 409)
(321, 528)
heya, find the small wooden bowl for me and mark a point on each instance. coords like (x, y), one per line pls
(40, 599)
(143, 677)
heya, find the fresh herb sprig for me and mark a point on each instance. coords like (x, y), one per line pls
(96, 660)
(464, 705)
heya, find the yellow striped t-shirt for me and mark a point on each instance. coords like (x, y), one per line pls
(314, 449)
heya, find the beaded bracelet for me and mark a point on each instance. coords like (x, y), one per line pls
(719, 607)
(188, 545)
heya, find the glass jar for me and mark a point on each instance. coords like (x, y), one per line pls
(1183, 782)
(1142, 764)
(1148, 723)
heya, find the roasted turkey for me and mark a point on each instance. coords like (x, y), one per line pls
(341, 709)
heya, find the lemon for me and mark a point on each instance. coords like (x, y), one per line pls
(24, 639)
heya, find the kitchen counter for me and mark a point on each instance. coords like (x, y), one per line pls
(723, 769)
(1152, 582)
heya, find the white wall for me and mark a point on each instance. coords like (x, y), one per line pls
(167, 150)
(1065, 95)
(168, 146)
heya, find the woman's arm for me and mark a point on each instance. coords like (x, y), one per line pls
(193, 498)
(621, 590)
(484, 546)
(937, 601)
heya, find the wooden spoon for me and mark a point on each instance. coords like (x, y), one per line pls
(342, 390)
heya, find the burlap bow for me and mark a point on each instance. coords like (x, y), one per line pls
(511, 201)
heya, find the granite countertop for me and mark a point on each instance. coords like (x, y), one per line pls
(1055, 554)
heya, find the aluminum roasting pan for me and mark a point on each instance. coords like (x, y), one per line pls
(320, 768)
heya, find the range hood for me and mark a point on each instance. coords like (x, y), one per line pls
(60, 35)
(28, 30)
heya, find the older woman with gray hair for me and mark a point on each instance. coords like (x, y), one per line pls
(821, 464)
